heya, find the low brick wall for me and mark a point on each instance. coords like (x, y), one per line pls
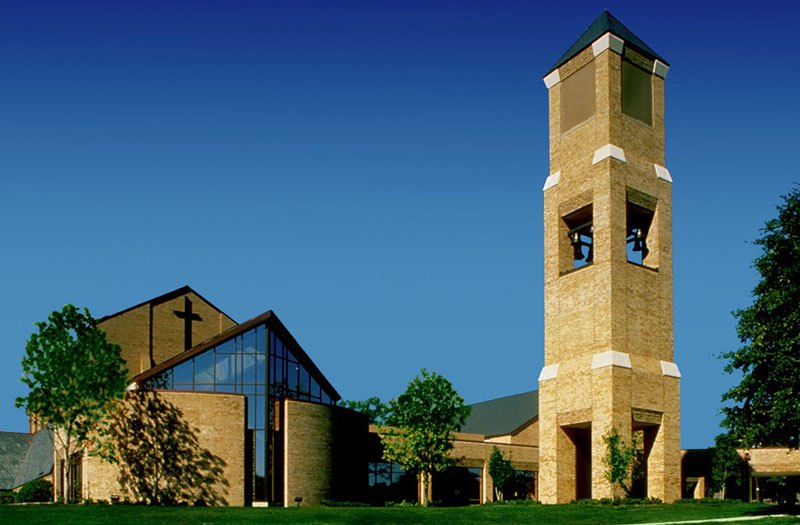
(325, 453)
(219, 420)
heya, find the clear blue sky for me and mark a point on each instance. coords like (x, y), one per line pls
(371, 171)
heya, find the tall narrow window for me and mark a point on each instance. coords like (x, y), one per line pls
(580, 236)
(637, 91)
(577, 97)
(640, 211)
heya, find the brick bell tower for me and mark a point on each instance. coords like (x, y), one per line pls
(608, 271)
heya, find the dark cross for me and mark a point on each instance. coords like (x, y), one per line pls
(188, 316)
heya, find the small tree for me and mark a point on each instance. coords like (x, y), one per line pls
(620, 460)
(421, 423)
(159, 456)
(764, 404)
(72, 373)
(726, 464)
(501, 471)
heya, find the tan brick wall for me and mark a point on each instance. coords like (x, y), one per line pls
(325, 453)
(773, 461)
(131, 330)
(611, 305)
(168, 329)
(219, 420)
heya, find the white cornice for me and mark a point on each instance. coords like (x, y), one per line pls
(609, 150)
(552, 180)
(607, 41)
(670, 369)
(548, 372)
(611, 358)
(660, 68)
(552, 79)
(662, 173)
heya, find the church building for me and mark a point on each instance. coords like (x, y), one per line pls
(256, 398)
(260, 403)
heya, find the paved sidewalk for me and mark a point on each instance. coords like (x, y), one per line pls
(718, 520)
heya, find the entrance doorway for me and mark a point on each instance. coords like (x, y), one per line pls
(581, 438)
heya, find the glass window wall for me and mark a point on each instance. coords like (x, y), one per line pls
(257, 364)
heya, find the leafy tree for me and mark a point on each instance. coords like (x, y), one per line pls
(621, 461)
(501, 471)
(726, 464)
(764, 410)
(421, 422)
(159, 456)
(372, 407)
(72, 373)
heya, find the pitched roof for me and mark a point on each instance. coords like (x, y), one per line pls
(13, 448)
(607, 23)
(38, 460)
(273, 323)
(504, 415)
(183, 290)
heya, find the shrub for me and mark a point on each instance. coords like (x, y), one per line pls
(617, 501)
(333, 503)
(37, 490)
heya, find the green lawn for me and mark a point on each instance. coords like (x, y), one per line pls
(539, 514)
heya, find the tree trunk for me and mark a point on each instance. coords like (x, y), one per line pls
(67, 468)
(67, 476)
(423, 489)
(724, 483)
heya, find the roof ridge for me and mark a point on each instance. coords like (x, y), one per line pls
(177, 292)
(606, 23)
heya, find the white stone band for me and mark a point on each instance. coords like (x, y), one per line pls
(662, 173)
(670, 369)
(552, 79)
(611, 358)
(660, 68)
(609, 150)
(548, 372)
(607, 41)
(552, 180)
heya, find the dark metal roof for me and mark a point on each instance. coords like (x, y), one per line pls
(502, 416)
(39, 459)
(607, 23)
(13, 448)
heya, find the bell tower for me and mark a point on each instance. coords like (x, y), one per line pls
(608, 271)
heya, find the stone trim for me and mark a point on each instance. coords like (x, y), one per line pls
(643, 415)
(660, 68)
(670, 369)
(548, 372)
(611, 358)
(552, 180)
(607, 41)
(609, 150)
(552, 79)
(662, 173)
